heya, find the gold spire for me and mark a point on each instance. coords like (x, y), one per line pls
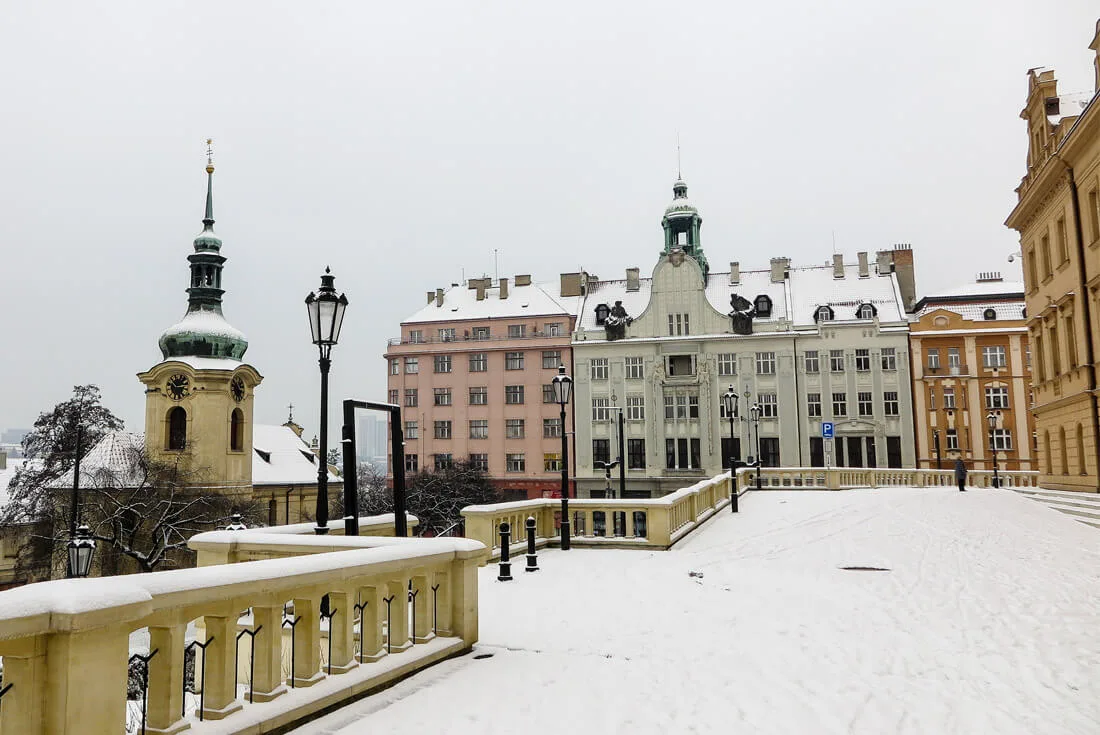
(209, 155)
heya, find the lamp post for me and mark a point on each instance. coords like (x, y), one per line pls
(730, 400)
(563, 388)
(754, 412)
(326, 316)
(992, 419)
(81, 548)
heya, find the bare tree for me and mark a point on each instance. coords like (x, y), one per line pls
(141, 510)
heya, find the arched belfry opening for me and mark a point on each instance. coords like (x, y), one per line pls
(177, 429)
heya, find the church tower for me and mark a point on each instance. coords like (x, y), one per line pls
(199, 399)
(681, 224)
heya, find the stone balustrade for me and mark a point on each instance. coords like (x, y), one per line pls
(656, 523)
(846, 478)
(65, 643)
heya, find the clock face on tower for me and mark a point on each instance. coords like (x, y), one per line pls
(177, 386)
(236, 387)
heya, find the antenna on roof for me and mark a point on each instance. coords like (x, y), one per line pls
(496, 267)
(679, 175)
(834, 242)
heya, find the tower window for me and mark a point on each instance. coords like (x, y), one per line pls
(236, 430)
(177, 429)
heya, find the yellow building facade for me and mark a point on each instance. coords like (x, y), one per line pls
(971, 359)
(1058, 219)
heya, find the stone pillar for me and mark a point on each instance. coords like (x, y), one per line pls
(422, 609)
(76, 696)
(220, 696)
(307, 641)
(165, 699)
(267, 675)
(371, 643)
(341, 631)
(398, 634)
(463, 578)
(25, 668)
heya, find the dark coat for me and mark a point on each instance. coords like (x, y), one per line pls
(960, 469)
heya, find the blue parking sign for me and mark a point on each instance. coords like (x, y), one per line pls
(826, 429)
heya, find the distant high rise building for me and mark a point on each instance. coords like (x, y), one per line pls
(13, 436)
(372, 435)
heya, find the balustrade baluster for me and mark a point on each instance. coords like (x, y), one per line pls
(219, 698)
(165, 696)
(341, 632)
(422, 609)
(399, 616)
(267, 674)
(307, 642)
(371, 641)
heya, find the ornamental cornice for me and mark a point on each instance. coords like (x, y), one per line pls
(1051, 181)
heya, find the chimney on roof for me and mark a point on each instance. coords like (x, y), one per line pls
(864, 267)
(884, 262)
(570, 284)
(524, 280)
(735, 273)
(431, 296)
(439, 297)
(838, 265)
(480, 285)
(779, 269)
(633, 279)
(902, 259)
(503, 288)
(990, 277)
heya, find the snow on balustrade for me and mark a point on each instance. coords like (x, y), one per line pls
(618, 522)
(844, 478)
(66, 643)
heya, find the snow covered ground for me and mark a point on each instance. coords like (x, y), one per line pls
(988, 621)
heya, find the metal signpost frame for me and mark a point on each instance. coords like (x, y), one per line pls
(397, 469)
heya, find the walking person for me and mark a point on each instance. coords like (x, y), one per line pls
(960, 474)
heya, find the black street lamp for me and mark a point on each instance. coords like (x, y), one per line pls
(563, 389)
(326, 316)
(992, 419)
(939, 455)
(81, 550)
(754, 412)
(730, 400)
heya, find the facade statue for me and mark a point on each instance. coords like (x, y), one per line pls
(617, 322)
(741, 314)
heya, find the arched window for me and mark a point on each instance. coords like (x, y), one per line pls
(177, 429)
(1064, 454)
(823, 314)
(763, 305)
(866, 311)
(236, 430)
(989, 314)
(1046, 453)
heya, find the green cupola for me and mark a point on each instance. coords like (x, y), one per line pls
(203, 331)
(681, 224)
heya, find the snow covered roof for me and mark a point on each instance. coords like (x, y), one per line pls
(809, 287)
(207, 363)
(1070, 105)
(6, 476)
(975, 310)
(815, 286)
(461, 302)
(280, 457)
(981, 288)
(112, 462)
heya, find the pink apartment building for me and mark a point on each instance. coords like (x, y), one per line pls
(472, 371)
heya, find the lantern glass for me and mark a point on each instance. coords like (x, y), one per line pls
(563, 387)
(730, 399)
(81, 549)
(313, 307)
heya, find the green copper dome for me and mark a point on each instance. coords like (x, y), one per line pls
(203, 331)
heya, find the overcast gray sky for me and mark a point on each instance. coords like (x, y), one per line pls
(401, 143)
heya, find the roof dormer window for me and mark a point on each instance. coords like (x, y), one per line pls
(763, 305)
(989, 314)
(823, 314)
(866, 311)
